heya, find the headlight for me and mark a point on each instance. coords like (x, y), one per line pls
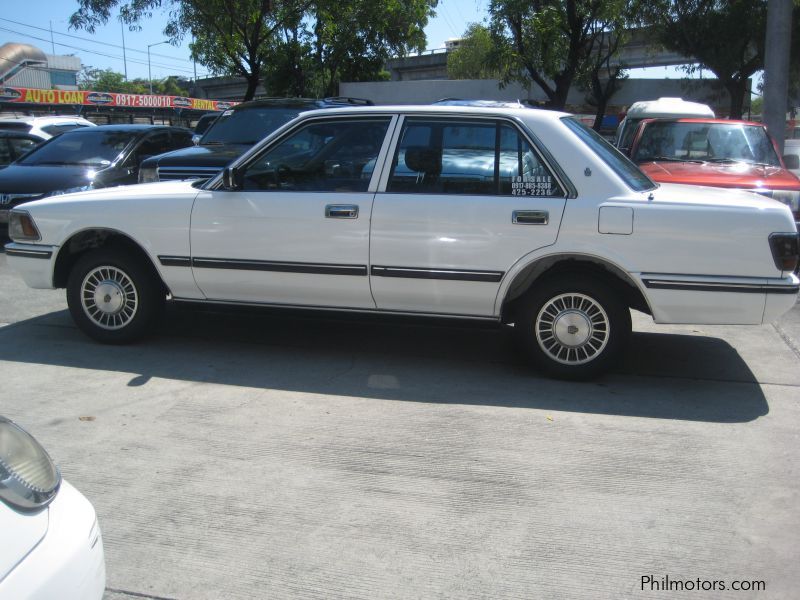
(148, 174)
(72, 190)
(21, 227)
(28, 477)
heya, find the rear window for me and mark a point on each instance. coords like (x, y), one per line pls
(619, 163)
(248, 125)
(15, 126)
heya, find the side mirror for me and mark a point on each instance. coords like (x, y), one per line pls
(792, 161)
(232, 179)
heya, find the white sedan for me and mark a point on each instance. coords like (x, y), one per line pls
(51, 543)
(511, 215)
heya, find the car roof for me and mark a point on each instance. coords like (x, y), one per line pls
(130, 127)
(302, 102)
(30, 119)
(434, 109)
(477, 102)
(702, 120)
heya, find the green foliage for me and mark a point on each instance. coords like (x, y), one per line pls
(106, 80)
(725, 36)
(475, 56)
(548, 42)
(302, 47)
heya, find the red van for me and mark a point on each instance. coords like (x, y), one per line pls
(717, 153)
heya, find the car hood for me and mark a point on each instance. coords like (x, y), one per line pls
(198, 156)
(130, 193)
(22, 179)
(22, 532)
(729, 175)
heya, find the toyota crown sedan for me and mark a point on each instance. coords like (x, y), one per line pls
(513, 216)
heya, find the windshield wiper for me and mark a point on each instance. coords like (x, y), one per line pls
(670, 159)
(739, 160)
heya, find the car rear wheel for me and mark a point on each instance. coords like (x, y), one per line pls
(573, 326)
(113, 296)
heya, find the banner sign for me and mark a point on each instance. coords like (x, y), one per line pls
(87, 98)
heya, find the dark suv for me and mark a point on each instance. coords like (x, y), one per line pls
(233, 133)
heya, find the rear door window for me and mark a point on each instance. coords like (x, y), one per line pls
(485, 157)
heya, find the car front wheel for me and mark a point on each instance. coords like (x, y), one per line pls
(573, 326)
(113, 296)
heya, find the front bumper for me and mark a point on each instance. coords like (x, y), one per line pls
(34, 262)
(69, 562)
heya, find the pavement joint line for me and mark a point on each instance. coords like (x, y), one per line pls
(785, 337)
(138, 594)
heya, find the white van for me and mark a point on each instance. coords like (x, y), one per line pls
(652, 109)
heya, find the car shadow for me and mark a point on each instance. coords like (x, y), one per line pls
(663, 376)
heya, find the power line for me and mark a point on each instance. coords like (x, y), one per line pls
(85, 39)
(115, 57)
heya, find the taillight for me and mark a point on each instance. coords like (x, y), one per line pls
(785, 250)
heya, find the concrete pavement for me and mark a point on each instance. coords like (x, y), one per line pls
(266, 455)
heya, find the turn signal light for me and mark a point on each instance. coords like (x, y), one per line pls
(21, 227)
(785, 250)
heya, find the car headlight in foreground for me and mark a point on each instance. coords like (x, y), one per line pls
(29, 479)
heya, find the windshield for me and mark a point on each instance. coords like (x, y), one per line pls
(247, 125)
(705, 142)
(619, 163)
(81, 147)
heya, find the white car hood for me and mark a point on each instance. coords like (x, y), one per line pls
(21, 534)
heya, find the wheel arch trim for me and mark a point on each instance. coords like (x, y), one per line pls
(528, 269)
(65, 249)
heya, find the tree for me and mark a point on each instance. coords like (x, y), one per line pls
(231, 36)
(106, 80)
(602, 73)
(352, 39)
(474, 56)
(545, 41)
(297, 46)
(724, 36)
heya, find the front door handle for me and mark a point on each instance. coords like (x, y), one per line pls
(530, 217)
(341, 211)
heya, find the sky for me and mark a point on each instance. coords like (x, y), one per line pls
(31, 21)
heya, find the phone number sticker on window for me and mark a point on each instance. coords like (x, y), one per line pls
(532, 185)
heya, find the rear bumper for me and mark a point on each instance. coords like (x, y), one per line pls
(69, 562)
(34, 262)
(703, 300)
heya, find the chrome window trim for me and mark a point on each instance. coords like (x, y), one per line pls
(570, 191)
(280, 134)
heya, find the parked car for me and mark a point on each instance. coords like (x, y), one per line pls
(202, 125)
(44, 127)
(234, 132)
(718, 153)
(15, 145)
(52, 546)
(504, 215)
(652, 109)
(82, 159)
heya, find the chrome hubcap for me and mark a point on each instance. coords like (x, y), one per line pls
(572, 329)
(109, 297)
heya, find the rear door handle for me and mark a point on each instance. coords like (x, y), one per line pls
(341, 211)
(530, 217)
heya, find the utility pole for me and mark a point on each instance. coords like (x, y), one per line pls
(776, 68)
(124, 57)
(149, 75)
(52, 43)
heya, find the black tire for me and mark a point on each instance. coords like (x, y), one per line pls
(113, 296)
(573, 326)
